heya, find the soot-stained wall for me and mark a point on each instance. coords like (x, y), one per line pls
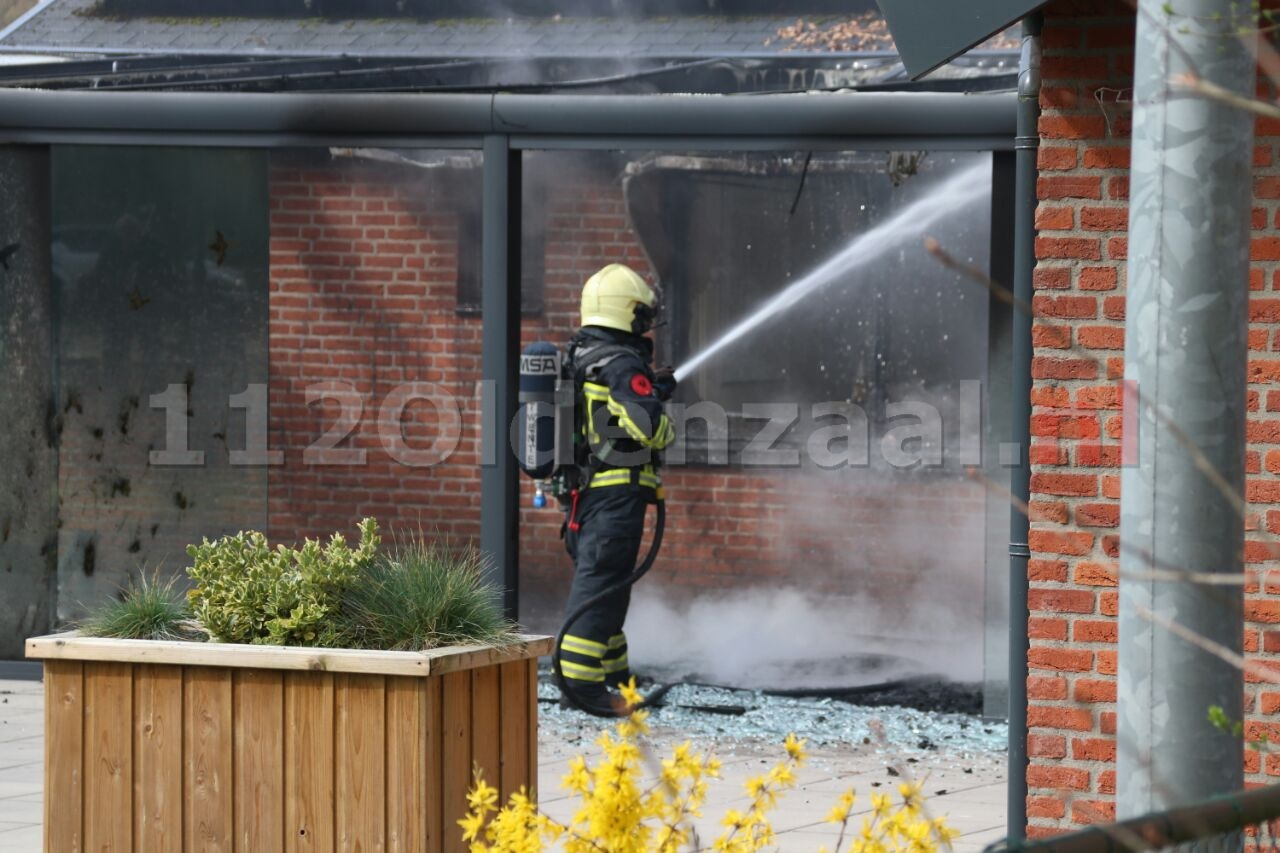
(159, 278)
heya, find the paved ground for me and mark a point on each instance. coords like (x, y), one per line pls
(21, 754)
(968, 789)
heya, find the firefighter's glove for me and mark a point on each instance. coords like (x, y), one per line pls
(664, 383)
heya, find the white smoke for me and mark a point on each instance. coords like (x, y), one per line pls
(788, 638)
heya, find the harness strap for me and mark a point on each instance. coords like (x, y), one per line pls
(645, 476)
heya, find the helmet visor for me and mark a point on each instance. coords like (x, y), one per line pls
(642, 318)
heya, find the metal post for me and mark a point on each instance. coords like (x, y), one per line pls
(500, 309)
(1024, 261)
(997, 432)
(1185, 349)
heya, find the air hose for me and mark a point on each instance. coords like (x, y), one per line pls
(565, 689)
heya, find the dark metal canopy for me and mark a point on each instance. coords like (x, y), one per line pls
(462, 9)
(764, 122)
(930, 32)
(978, 71)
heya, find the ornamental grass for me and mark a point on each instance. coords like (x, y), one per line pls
(421, 593)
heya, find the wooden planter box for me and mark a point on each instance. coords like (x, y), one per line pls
(217, 747)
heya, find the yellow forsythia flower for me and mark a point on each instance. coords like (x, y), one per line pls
(795, 749)
(620, 813)
(910, 793)
(630, 693)
(842, 809)
(880, 805)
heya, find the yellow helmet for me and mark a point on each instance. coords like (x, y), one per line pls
(618, 298)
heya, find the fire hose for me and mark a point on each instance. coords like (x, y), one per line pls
(566, 689)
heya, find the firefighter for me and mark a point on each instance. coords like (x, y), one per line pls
(621, 427)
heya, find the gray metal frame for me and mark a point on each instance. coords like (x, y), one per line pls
(504, 125)
(500, 346)
(679, 122)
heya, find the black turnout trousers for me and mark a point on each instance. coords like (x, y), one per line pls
(604, 549)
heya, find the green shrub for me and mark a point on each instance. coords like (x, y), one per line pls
(424, 595)
(148, 609)
(246, 592)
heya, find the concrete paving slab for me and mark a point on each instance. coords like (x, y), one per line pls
(21, 752)
(18, 703)
(23, 839)
(31, 773)
(32, 731)
(30, 796)
(19, 812)
(995, 832)
(14, 788)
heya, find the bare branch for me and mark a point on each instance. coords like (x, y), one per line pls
(1264, 52)
(1192, 83)
(1262, 672)
(1004, 294)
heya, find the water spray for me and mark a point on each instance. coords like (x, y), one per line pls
(912, 221)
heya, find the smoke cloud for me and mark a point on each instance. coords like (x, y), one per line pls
(789, 639)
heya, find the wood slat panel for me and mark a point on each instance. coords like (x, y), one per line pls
(209, 823)
(486, 725)
(108, 742)
(406, 729)
(308, 767)
(515, 727)
(458, 658)
(360, 762)
(63, 757)
(258, 780)
(456, 751)
(72, 646)
(434, 714)
(157, 758)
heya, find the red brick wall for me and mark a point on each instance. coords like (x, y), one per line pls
(1078, 360)
(363, 271)
(363, 291)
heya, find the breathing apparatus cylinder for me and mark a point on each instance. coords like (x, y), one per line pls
(544, 420)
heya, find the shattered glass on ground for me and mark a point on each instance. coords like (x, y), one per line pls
(743, 717)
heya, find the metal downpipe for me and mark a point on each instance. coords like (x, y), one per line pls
(1027, 145)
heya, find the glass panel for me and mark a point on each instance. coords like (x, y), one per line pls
(800, 283)
(159, 263)
(28, 445)
(249, 339)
